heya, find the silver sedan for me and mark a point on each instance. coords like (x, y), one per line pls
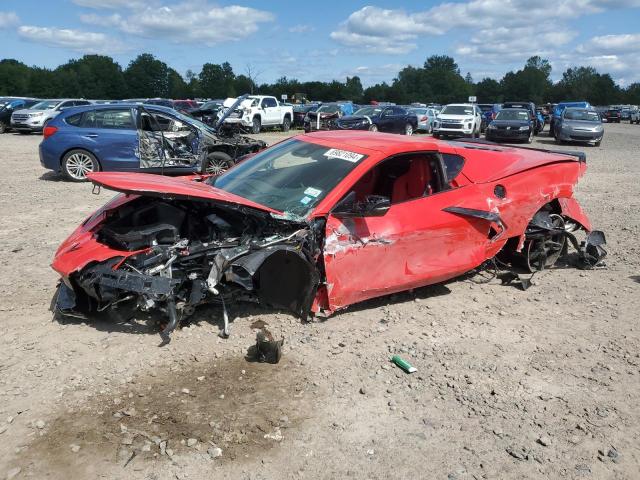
(579, 125)
(426, 116)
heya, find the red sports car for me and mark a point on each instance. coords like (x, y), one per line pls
(322, 221)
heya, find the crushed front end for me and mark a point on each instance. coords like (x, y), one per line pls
(171, 255)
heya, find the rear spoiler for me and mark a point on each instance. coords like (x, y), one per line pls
(581, 156)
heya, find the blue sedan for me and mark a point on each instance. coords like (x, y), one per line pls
(134, 137)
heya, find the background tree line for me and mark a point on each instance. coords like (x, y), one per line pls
(439, 80)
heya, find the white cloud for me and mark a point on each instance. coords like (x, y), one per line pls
(375, 44)
(8, 19)
(612, 44)
(301, 29)
(188, 22)
(515, 44)
(372, 28)
(112, 3)
(81, 41)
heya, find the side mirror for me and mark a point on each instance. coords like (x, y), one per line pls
(371, 206)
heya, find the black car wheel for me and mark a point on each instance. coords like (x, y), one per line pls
(286, 124)
(256, 125)
(3, 127)
(436, 135)
(408, 129)
(77, 163)
(217, 163)
(373, 127)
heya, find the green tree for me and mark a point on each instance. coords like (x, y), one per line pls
(177, 88)
(488, 90)
(217, 81)
(92, 76)
(532, 83)
(14, 77)
(147, 77)
(353, 89)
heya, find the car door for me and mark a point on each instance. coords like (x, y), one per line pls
(415, 243)
(151, 149)
(387, 120)
(111, 135)
(270, 108)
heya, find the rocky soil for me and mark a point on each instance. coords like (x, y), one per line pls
(510, 384)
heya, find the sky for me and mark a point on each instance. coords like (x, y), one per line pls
(329, 39)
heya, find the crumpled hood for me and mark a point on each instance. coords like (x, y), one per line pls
(169, 187)
(244, 104)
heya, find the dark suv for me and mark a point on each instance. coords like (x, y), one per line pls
(612, 115)
(8, 105)
(391, 119)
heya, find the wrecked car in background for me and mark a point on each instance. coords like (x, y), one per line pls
(135, 137)
(390, 119)
(319, 222)
(326, 116)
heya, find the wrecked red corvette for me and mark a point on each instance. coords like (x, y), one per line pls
(321, 221)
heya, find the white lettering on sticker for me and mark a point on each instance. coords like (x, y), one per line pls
(312, 192)
(343, 154)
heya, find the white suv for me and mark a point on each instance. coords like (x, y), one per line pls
(458, 120)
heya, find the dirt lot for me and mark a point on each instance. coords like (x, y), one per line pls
(510, 384)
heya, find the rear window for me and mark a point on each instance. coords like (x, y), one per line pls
(115, 119)
(452, 165)
(74, 120)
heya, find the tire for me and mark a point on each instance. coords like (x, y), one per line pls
(256, 125)
(408, 129)
(76, 164)
(597, 144)
(430, 129)
(24, 132)
(3, 127)
(530, 139)
(286, 124)
(436, 136)
(217, 163)
(373, 127)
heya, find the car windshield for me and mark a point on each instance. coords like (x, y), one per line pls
(457, 110)
(188, 120)
(419, 111)
(211, 105)
(328, 108)
(46, 105)
(512, 114)
(485, 108)
(586, 115)
(292, 177)
(368, 111)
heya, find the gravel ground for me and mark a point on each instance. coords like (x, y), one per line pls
(509, 384)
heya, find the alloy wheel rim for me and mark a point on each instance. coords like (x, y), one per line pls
(409, 130)
(78, 165)
(216, 168)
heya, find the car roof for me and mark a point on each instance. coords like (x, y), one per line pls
(110, 106)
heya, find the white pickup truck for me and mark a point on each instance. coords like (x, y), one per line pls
(258, 111)
(634, 116)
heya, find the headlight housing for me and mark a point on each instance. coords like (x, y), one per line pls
(524, 128)
(36, 114)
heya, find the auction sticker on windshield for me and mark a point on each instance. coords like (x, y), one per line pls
(314, 192)
(343, 154)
